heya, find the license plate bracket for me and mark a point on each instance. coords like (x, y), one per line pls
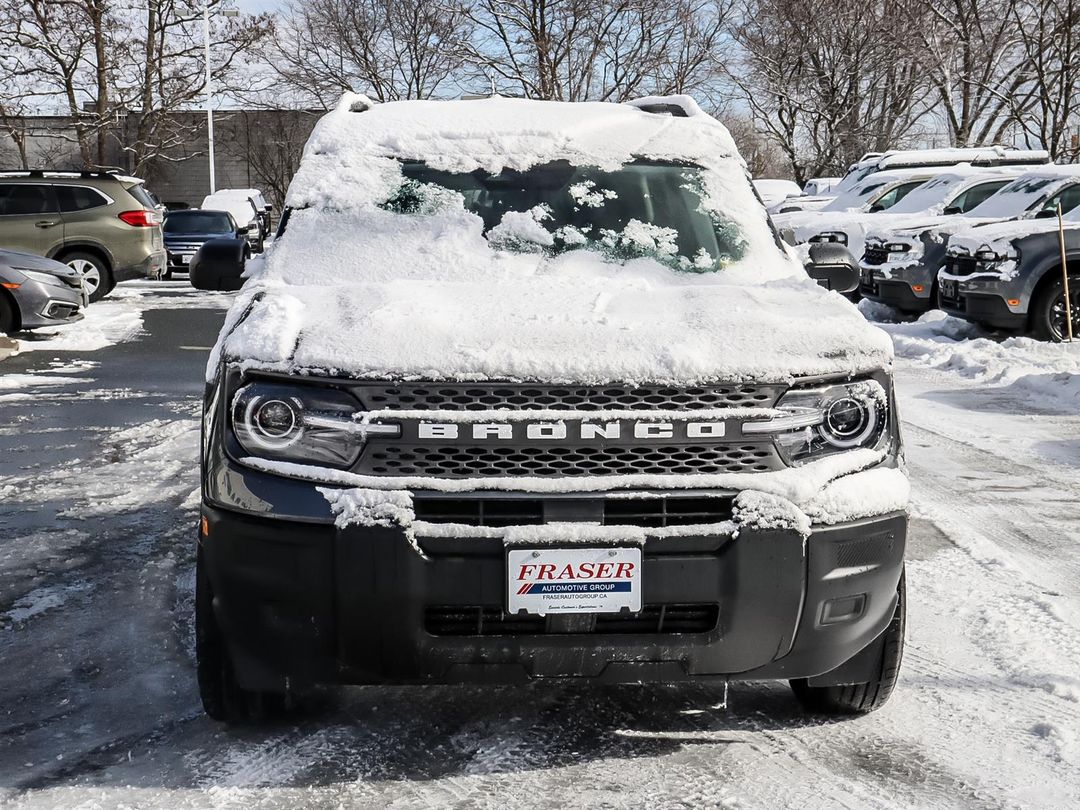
(573, 580)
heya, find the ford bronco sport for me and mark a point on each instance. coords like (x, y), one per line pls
(531, 390)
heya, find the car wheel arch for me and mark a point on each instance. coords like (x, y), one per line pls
(1045, 278)
(85, 247)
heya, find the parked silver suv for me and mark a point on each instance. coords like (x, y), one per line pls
(104, 225)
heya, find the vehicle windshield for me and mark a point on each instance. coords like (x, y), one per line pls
(1015, 198)
(198, 222)
(642, 209)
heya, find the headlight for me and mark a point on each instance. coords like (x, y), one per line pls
(44, 278)
(823, 421)
(300, 423)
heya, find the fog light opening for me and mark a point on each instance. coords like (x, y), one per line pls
(843, 609)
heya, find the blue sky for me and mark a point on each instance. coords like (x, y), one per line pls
(255, 6)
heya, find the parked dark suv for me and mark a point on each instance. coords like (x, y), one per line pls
(188, 230)
(900, 264)
(1008, 276)
(503, 408)
(104, 225)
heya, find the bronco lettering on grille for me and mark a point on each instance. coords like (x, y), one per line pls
(556, 431)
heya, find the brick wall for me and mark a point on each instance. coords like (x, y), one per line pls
(254, 149)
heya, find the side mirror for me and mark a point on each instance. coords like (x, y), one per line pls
(218, 265)
(876, 208)
(833, 267)
(244, 229)
(953, 209)
(1046, 213)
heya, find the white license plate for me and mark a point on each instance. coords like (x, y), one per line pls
(580, 580)
(187, 257)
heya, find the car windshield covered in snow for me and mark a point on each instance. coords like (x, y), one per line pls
(644, 209)
(199, 222)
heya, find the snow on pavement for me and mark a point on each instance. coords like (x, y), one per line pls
(96, 591)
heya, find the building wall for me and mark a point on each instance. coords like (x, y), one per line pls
(253, 149)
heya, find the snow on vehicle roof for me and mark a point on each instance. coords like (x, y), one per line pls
(357, 289)
(348, 160)
(933, 195)
(241, 208)
(982, 155)
(860, 193)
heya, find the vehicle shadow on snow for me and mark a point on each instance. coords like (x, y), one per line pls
(428, 733)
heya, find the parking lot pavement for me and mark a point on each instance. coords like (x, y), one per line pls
(98, 504)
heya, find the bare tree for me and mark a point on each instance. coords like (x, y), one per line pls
(972, 54)
(98, 60)
(827, 82)
(270, 144)
(1048, 107)
(390, 49)
(605, 50)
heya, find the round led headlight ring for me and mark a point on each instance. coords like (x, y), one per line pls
(849, 421)
(274, 423)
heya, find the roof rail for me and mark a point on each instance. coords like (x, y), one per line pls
(674, 110)
(61, 172)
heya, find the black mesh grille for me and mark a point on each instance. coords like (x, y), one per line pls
(863, 551)
(477, 620)
(467, 462)
(962, 265)
(661, 512)
(526, 398)
(480, 511)
(875, 255)
(653, 512)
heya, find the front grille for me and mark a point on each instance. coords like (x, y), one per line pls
(660, 512)
(652, 512)
(480, 511)
(533, 398)
(875, 255)
(482, 620)
(471, 462)
(962, 265)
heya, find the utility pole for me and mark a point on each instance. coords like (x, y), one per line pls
(225, 12)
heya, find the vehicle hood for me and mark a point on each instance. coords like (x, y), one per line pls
(184, 238)
(434, 302)
(19, 260)
(997, 236)
(943, 225)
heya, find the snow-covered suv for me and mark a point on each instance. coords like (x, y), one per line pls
(531, 390)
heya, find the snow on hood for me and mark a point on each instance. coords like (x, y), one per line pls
(356, 290)
(999, 236)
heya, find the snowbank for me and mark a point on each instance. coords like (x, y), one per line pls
(1044, 371)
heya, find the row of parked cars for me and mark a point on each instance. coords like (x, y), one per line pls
(68, 238)
(974, 232)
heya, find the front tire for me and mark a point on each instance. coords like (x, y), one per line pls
(1048, 313)
(862, 698)
(97, 278)
(9, 315)
(223, 698)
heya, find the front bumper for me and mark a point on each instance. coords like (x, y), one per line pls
(898, 290)
(301, 603)
(985, 300)
(44, 305)
(152, 266)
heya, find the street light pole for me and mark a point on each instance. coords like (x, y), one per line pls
(209, 93)
(225, 12)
